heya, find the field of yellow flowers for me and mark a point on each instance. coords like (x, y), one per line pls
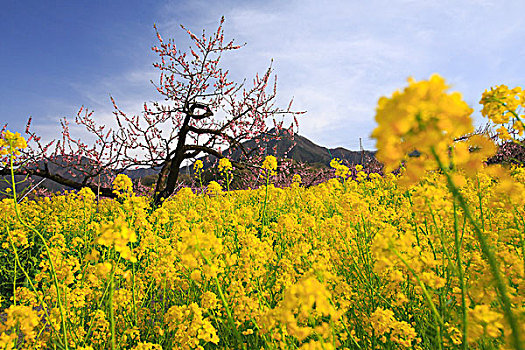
(433, 258)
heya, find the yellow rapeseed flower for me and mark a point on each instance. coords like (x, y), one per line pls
(224, 165)
(296, 181)
(270, 163)
(147, 346)
(340, 169)
(22, 317)
(117, 234)
(122, 185)
(214, 187)
(11, 143)
(418, 121)
(198, 165)
(87, 194)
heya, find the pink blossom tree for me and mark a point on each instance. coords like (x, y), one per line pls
(204, 114)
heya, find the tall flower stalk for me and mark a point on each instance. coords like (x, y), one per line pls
(10, 144)
(269, 166)
(423, 128)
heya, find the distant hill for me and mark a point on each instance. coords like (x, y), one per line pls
(304, 151)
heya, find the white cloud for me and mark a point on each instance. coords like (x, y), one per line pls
(338, 57)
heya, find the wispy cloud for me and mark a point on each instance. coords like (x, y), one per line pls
(335, 58)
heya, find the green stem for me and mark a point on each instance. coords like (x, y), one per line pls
(461, 279)
(100, 303)
(265, 197)
(200, 178)
(223, 299)
(226, 306)
(437, 315)
(133, 294)
(111, 311)
(33, 288)
(14, 282)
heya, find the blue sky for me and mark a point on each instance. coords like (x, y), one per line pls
(336, 58)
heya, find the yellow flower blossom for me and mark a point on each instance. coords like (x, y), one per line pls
(87, 194)
(122, 185)
(417, 122)
(340, 169)
(385, 325)
(198, 165)
(343, 264)
(24, 318)
(214, 188)
(147, 346)
(225, 165)
(189, 327)
(11, 143)
(270, 163)
(117, 235)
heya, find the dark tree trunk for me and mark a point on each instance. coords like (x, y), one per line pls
(174, 166)
(171, 181)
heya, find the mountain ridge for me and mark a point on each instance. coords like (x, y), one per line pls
(304, 151)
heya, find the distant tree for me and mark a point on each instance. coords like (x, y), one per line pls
(206, 113)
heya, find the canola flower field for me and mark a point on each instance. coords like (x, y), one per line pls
(432, 258)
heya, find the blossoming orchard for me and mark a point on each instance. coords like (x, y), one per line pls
(206, 113)
(429, 257)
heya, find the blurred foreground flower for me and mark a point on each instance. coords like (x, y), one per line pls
(117, 234)
(419, 123)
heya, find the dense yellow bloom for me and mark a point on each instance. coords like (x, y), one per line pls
(485, 322)
(185, 192)
(360, 263)
(189, 327)
(7, 341)
(19, 238)
(303, 300)
(22, 317)
(471, 154)
(147, 346)
(101, 331)
(340, 169)
(384, 324)
(87, 194)
(304, 276)
(502, 106)
(499, 101)
(209, 301)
